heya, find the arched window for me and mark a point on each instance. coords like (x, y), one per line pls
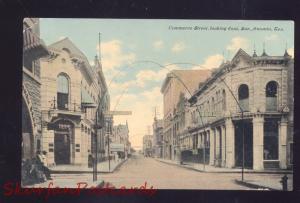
(271, 96)
(223, 100)
(244, 97)
(62, 92)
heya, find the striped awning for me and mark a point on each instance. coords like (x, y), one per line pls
(86, 99)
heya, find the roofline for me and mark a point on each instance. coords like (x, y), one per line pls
(221, 72)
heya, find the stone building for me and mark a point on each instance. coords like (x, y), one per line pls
(157, 137)
(250, 98)
(148, 145)
(120, 144)
(33, 49)
(71, 91)
(175, 83)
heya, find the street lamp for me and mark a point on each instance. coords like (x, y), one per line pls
(243, 128)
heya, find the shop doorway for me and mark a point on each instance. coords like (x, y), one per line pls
(248, 144)
(62, 148)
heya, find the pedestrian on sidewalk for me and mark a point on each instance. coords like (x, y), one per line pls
(43, 163)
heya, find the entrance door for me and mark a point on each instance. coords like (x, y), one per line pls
(62, 148)
(248, 144)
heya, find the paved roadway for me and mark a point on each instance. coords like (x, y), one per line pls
(138, 170)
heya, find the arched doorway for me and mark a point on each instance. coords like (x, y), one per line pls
(27, 132)
(63, 136)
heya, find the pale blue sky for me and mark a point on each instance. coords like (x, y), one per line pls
(125, 41)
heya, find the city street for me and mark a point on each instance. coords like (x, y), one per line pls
(138, 170)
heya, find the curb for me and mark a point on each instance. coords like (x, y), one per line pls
(86, 172)
(255, 186)
(199, 170)
(118, 166)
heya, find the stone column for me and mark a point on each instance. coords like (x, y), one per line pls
(282, 143)
(48, 138)
(258, 143)
(83, 148)
(218, 146)
(223, 146)
(211, 147)
(230, 155)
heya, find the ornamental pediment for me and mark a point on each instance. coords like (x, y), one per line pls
(241, 59)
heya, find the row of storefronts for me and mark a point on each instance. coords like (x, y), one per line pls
(241, 113)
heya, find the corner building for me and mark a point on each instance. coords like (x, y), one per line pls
(259, 85)
(70, 92)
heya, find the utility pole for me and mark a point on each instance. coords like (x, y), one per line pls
(96, 126)
(108, 132)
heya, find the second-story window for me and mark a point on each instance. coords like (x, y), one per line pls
(271, 96)
(62, 92)
(244, 97)
(223, 100)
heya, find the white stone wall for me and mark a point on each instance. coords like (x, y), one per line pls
(78, 78)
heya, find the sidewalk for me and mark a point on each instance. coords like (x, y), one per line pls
(102, 167)
(213, 169)
(69, 181)
(269, 183)
(261, 180)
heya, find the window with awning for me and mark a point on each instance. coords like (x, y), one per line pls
(86, 100)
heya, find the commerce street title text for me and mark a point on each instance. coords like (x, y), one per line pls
(224, 28)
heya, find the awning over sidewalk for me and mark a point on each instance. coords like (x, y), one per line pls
(86, 99)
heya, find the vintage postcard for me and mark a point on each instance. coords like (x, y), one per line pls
(158, 104)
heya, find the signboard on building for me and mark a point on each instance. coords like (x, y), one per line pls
(116, 147)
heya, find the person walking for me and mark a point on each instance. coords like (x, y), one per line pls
(42, 159)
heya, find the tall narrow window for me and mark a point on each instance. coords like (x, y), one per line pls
(212, 107)
(271, 139)
(62, 92)
(244, 97)
(271, 96)
(224, 100)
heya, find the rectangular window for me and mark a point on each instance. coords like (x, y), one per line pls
(62, 101)
(271, 139)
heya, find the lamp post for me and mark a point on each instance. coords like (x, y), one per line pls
(243, 128)
(108, 148)
(95, 161)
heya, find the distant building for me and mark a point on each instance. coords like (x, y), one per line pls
(262, 86)
(120, 144)
(158, 138)
(148, 145)
(177, 82)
